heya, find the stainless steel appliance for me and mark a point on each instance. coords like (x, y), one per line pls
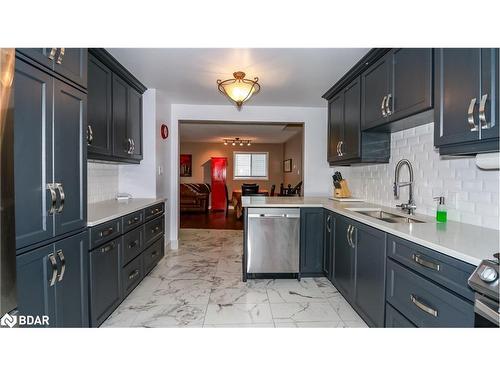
(485, 281)
(7, 232)
(273, 241)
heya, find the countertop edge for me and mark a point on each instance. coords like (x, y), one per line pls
(116, 215)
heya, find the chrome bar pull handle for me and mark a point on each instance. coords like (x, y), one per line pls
(328, 219)
(133, 145)
(417, 258)
(340, 148)
(133, 274)
(388, 105)
(422, 306)
(90, 134)
(61, 56)
(60, 254)
(482, 113)
(62, 197)
(383, 107)
(53, 265)
(129, 150)
(470, 116)
(52, 53)
(338, 152)
(53, 198)
(107, 248)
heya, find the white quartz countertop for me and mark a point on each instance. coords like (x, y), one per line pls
(100, 212)
(469, 243)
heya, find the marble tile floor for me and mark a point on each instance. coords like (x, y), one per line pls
(199, 285)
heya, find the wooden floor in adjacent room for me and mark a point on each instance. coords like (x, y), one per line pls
(211, 220)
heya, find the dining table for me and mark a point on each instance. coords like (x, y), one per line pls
(236, 201)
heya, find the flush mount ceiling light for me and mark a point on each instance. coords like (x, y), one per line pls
(237, 141)
(238, 89)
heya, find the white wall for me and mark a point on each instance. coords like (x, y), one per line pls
(317, 174)
(472, 194)
(140, 179)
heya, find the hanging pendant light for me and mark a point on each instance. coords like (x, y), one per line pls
(239, 89)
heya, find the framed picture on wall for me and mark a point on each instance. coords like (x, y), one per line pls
(287, 165)
(186, 167)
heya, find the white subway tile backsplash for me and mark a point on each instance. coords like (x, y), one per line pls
(472, 194)
(102, 181)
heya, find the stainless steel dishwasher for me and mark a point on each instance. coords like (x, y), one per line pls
(273, 240)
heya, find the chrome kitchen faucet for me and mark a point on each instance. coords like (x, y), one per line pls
(410, 206)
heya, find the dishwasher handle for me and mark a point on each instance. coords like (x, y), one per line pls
(282, 216)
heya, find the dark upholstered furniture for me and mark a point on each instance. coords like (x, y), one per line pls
(194, 197)
(247, 189)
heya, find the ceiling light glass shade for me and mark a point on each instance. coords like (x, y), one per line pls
(239, 89)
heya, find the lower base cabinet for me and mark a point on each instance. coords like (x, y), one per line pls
(311, 242)
(52, 282)
(118, 266)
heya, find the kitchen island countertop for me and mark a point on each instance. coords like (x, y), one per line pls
(466, 242)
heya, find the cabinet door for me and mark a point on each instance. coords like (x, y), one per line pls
(36, 279)
(70, 157)
(490, 84)
(105, 281)
(335, 126)
(44, 56)
(99, 108)
(134, 122)
(33, 95)
(457, 86)
(72, 286)
(328, 244)
(351, 145)
(376, 84)
(71, 63)
(370, 273)
(311, 241)
(412, 82)
(343, 263)
(122, 146)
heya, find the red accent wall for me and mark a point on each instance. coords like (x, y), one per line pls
(218, 172)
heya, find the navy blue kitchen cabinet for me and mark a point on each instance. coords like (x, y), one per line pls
(466, 91)
(33, 95)
(394, 319)
(69, 63)
(397, 86)
(311, 242)
(115, 119)
(49, 157)
(370, 273)
(105, 280)
(99, 109)
(328, 243)
(359, 268)
(52, 280)
(70, 157)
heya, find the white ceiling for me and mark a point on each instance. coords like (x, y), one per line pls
(257, 133)
(288, 76)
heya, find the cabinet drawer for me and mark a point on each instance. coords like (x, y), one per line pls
(447, 271)
(132, 275)
(424, 303)
(152, 255)
(394, 319)
(132, 221)
(104, 232)
(154, 211)
(153, 230)
(133, 243)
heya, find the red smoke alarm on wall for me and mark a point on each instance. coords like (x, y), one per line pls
(164, 131)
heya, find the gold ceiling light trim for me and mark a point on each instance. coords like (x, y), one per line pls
(236, 141)
(239, 89)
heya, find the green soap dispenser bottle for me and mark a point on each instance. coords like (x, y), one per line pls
(441, 214)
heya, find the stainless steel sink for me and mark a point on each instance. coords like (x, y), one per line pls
(387, 216)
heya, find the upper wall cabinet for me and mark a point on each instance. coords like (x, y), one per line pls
(70, 63)
(395, 87)
(114, 131)
(466, 110)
